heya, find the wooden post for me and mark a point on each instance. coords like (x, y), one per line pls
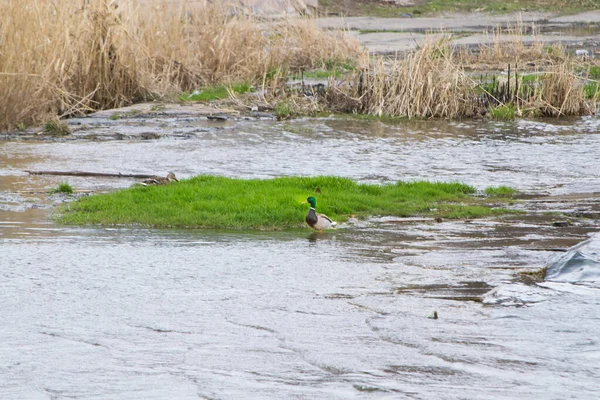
(508, 85)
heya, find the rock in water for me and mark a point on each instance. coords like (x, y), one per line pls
(581, 263)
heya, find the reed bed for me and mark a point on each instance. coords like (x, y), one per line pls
(432, 82)
(426, 83)
(559, 92)
(64, 57)
(517, 44)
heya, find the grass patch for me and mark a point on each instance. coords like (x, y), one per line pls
(56, 128)
(380, 9)
(594, 72)
(591, 90)
(503, 112)
(219, 202)
(215, 92)
(319, 74)
(500, 191)
(330, 68)
(64, 188)
(283, 110)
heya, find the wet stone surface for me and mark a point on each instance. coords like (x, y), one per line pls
(130, 312)
(391, 35)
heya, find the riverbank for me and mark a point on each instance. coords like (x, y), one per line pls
(540, 43)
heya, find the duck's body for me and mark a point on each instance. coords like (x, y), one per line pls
(158, 180)
(315, 220)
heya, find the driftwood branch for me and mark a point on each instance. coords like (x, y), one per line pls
(96, 174)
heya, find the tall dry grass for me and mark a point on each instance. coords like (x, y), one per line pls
(432, 82)
(516, 44)
(64, 57)
(559, 92)
(426, 83)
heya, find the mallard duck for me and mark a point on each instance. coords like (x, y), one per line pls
(157, 180)
(317, 221)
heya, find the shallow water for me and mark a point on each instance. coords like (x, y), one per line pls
(128, 313)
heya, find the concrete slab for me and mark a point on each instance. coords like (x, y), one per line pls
(585, 17)
(454, 22)
(390, 42)
(390, 35)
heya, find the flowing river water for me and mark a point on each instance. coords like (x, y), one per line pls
(136, 313)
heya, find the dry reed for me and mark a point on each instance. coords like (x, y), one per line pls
(431, 82)
(511, 44)
(426, 83)
(63, 57)
(559, 92)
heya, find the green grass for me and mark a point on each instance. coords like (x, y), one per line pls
(331, 68)
(503, 112)
(594, 72)
(64, 188)
(215, 93)
(283, 111)
(591, 90)
(219, 202)
(376, 9)
(319, 74)
(500, 191)
(530, 78)
(56, 128)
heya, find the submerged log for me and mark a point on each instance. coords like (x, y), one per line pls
(96, 174)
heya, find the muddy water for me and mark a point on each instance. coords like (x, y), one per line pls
(126, 313)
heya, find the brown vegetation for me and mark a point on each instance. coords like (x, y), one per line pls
(517, 44)
(432, 81)
(426, 83)
(438, 80)
(63, 57)
(60, 59)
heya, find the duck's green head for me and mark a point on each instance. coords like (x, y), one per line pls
(312, 201)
